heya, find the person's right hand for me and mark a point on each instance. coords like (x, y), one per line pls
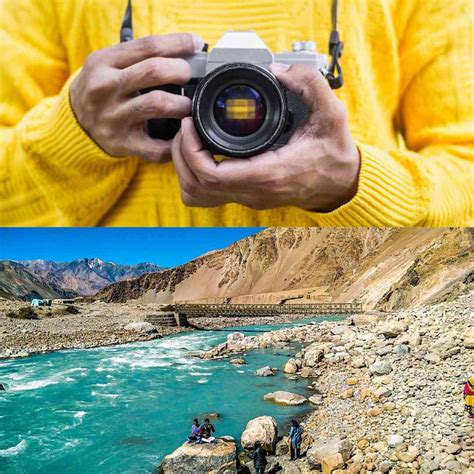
(105, 95)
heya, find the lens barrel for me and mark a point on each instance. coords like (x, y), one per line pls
(239, 110)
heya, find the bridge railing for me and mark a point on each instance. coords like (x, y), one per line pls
(242, 309)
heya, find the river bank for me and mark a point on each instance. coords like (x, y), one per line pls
(390, 389)
(96, 324)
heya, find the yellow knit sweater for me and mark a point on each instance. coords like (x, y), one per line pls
(409, 94)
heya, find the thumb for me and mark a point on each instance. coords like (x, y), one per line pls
(306, 82)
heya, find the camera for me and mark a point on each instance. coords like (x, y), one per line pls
(238, 106)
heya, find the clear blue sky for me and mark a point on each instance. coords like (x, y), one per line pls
(164, 246)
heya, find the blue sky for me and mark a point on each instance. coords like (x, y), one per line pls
(164, 246)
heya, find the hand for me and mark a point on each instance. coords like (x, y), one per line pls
(105, 96)
(317, 170)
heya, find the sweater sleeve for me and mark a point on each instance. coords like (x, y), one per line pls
(430, 182)
(51, 172)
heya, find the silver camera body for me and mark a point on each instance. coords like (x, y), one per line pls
(239, 107)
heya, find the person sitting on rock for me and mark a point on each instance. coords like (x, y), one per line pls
(206, 432)
(295, 440)
(195, 432)
(469, 396)
(259, 457)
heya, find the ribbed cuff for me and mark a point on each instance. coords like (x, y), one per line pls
(392, 192)
(62, 138)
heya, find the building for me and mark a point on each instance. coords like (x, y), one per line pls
(40, 302)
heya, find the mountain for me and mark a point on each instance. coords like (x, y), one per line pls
(84, 276)
(17, 283)
(383, 268)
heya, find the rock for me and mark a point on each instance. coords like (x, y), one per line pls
(263, 429)
(322, 449)
(285, 398)
(290, 367)
(332, 462)
(2, 387)
(316, 399)
(380, 368)
(394, 439)
(385, 466)
(215, 458)
(373, 412)
(235, 340)
(469, 343)
(238, 361)
(366, 319)
(313, 355)
(432, 358)
(358, 362)
(392, 329)
(265, 372)
(363, 443)
(409, 455)
(452, 448)
(306, 372)
(142, 327)
(349, 393)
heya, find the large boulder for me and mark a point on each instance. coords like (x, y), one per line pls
(291, 367)
(263, 429)
(212, 458)
(266, 371)
(392, 329)
(235, 341)
(313, 355)
(322, 449)
(141, 327)
(285, 398)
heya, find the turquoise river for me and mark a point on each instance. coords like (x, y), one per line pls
(121, 409)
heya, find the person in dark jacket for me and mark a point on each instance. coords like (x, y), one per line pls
(295, 440)
(259, 457)
(206, 432)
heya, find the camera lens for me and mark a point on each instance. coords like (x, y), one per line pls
(240, 110)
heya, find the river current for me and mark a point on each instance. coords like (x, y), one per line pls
(123, 408)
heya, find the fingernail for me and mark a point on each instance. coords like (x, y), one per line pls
(280, 67)
(198, 43)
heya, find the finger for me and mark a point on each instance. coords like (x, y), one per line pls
(306, 82)
(156, 104)
(192, 192)
(154, 72)
(149, 149)
(171, 46)
(228, 175)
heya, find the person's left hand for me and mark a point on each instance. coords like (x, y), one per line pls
(317, 170)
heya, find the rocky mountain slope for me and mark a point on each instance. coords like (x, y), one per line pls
(17, 283)
(384, 268)
(84, 276)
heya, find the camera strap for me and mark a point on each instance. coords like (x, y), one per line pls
(334, 76)
(126, 32)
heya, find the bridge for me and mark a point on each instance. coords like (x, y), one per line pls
(183, 311)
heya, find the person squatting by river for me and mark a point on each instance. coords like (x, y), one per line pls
(295, 440)
(469, 396)
(259, 457)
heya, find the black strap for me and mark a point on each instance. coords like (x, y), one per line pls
(334, 76)
(336, 81)
(126, 32)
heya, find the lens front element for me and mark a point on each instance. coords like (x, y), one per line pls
(240, 110)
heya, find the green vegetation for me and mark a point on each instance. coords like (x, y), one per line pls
(26, 312)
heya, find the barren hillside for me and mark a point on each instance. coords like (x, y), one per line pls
(384, 268)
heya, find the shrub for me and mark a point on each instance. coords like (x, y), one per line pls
(71, 310)
(26, 312)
